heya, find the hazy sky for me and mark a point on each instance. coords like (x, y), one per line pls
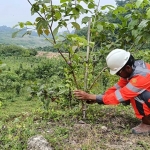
(14, 11)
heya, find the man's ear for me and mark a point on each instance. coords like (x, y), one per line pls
(128, 68)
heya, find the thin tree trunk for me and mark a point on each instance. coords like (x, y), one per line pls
(86, 69)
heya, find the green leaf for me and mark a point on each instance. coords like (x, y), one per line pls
(50, 40)
(71, 51)
(85, 19)
(115, 25)
(39, 25)
(148, 13)
(44, 23)
(55, 31)
(128, 16)
(40, 3)
(15, 26)
(108, 46)
(24, 34)
(129, 6)
(76, 25)
(64, 5)
(46, 1)
(133, 23)
(28, 33)
(35, 8)
(92, 44)
(42, 10)
(75, 12)
(127, 39)
(99, 27)
(119, 10)
(138, 39)
(135, 33)
(38, 19)
(39, 32)
(3, 66)
(110, 7)
(57, 15)
(91, 5)
(28, 23)
(21, 24)
(15, 33)
(62, 1)
(1, 62)
(63, 23)
(143, 24)
(76, 57)
(138, 3)
(74, 48)
(46, 32)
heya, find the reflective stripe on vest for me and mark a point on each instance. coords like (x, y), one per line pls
(117, 86)
(139, 100)
(134, 89)
(119, 96)
(131, 88)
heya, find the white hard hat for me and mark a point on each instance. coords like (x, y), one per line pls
(116, 59)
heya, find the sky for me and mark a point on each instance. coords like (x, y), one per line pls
(14, 11)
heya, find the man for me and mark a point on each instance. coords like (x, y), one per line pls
(133, 86)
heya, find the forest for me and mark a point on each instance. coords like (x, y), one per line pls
(36, 93)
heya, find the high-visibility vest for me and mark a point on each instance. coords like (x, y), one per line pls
(136, 88)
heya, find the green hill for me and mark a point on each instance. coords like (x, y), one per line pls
(28, 41)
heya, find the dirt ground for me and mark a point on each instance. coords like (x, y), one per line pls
(110, 130)
(48, 54)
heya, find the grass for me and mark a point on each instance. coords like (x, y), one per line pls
(12, 109)
(105, 127)
(64, 130)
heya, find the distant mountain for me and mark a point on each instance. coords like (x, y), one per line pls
(28, 41)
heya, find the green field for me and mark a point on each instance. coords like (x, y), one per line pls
(22, 116)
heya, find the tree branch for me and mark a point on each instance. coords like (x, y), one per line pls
(97, 78)
(50, 28)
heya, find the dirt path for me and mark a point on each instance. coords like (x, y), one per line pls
(48, 54)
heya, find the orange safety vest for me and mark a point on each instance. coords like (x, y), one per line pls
(136, 88)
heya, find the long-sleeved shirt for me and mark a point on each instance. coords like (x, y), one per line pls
(136, 87)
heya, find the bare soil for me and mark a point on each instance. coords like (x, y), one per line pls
(108, 131)
(48, 54)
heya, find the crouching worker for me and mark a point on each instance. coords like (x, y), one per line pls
(133, 85)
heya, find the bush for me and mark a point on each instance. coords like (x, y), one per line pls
(12, 50)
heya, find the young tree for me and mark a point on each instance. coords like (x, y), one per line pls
(102, 35)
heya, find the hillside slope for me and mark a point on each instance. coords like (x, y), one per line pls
(28, 41)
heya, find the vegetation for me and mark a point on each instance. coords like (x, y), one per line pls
(35, 99)
(36, 92)
(28, 41)
(12, 50)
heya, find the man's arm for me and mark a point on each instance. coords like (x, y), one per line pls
(84, 95)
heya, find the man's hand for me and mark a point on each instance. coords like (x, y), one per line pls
(82, 95)
(79, 94)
